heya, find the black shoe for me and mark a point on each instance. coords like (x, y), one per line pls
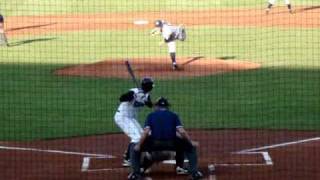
(197, 175)
(134, 176)
(175, 67)
(181, 171)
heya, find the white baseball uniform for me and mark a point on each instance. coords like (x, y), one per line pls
(170, 34)
(127, 114)
(287, 2)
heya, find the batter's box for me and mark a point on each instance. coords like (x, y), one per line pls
(244, 159)
(91, 164)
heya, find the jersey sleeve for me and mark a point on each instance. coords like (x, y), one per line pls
(178, 122)
(147, 123)
(129, 96)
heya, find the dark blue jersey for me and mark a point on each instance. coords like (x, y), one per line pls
(163, 124)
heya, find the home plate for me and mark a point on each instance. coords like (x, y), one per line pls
(140, 22)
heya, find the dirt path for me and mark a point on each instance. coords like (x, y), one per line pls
(305, 17)
(294, 155)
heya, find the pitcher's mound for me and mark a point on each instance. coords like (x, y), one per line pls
(159, 68)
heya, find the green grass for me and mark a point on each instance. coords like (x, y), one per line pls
(36, 104)
(294, 48)
(41, 7)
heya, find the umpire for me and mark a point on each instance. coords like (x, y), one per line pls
(163, 131)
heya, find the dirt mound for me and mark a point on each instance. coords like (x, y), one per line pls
(159, 68)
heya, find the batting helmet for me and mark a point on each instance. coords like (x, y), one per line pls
(162, 102)
(158, 23)
(147, 84)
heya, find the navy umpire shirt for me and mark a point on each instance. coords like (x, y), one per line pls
(163, 124)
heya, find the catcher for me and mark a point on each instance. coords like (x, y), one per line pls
(160, 134)
(170, 34)
(3, 37)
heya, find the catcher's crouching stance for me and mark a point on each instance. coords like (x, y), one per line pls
(3, 37)
(163, 131)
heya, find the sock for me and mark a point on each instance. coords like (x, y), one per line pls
(173, 58)
(127, 153)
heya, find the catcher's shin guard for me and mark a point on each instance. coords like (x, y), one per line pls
(3, 39)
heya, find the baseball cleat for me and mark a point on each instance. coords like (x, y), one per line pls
(145, 170)
(175, 67)
(181, 170)
(126, 163)
(134, 176)
(197, 175)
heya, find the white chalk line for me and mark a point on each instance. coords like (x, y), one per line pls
(55, 151)
(281, 144)
(105, 169)
(86, 164)
(265, 154)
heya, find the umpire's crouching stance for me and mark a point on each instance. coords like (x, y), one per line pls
(160, 134)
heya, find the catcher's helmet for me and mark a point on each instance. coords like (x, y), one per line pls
(147, 84)
(162, 102)
(158, 23)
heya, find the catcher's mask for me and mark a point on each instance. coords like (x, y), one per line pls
(147, 84)
(158, 23)
(162, 102)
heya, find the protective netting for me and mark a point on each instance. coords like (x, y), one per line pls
(242, 77)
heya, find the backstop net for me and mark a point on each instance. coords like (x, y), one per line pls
(80, 82)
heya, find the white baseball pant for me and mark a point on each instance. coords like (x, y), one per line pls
(171, 46)
(130, 126)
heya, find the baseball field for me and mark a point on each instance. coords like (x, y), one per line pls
(248, 88)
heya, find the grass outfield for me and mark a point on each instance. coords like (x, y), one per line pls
(268, 46)
(40, 7)
(36, 104)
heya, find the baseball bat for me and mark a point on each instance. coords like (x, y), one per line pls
(131, 73)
